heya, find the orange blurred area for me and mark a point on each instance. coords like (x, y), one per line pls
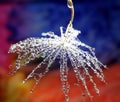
(49, 88)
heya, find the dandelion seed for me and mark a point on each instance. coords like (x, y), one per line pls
(65, 47)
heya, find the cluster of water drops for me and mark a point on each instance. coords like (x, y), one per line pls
(65, 47)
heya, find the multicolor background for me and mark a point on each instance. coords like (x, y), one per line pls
(99, 22)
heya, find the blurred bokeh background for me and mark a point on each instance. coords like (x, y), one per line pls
(99, 22)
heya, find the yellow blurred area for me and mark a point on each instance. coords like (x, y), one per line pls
(12, 89)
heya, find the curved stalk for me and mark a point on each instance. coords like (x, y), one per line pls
(70, 5)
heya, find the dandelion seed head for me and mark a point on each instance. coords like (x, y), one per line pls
(65, 47)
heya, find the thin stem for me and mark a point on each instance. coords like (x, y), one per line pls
(70, 5)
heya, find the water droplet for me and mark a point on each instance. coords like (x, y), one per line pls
(43, 55)
(23, 82)
(10, 66)
(67, 98)
(49, 64)
(83, 94)
(69, 4)
(31, 91)
(64, 78)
